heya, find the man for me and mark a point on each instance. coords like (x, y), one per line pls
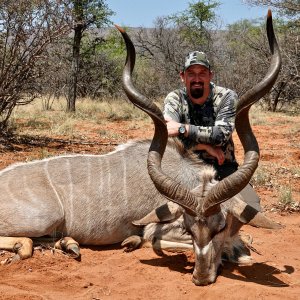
(202, 115)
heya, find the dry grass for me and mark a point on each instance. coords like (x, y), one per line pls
(262, 177)
(258, 116)
(33, 119)
(281, 180)
(286, 201)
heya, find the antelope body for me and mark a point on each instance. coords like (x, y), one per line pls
(95, 198)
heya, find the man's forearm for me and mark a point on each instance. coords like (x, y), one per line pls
(214, 135)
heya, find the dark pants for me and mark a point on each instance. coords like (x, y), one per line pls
(225, 170)
(248, 193)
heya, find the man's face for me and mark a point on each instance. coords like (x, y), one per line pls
(197, 81)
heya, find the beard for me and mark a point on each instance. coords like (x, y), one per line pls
(197, 92)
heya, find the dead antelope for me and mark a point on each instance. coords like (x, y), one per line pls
(93, 199)
(213, 212)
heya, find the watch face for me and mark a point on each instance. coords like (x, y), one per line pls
(182, 129)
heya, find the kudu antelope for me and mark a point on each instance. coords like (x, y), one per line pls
(213, 212)
(95, 198)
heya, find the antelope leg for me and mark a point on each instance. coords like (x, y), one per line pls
(22, 246)
(132, 243)
(68, 245)
(171, 246)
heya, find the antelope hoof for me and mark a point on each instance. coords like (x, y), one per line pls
(132, 243)
(10, 260)
(70, 246)
(73, 251)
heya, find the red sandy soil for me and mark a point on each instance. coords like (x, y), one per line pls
(110, 273)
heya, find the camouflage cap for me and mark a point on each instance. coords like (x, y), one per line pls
(196, 58)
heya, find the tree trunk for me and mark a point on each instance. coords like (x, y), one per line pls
(281, 87)
(269, 101)
(78, 31)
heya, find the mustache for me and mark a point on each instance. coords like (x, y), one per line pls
(201, 83)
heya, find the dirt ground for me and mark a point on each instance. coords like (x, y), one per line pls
(110, 273)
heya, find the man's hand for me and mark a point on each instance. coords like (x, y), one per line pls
(172, 127)
(214, 151)
(217, 153)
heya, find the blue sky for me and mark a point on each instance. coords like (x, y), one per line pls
(137, 13)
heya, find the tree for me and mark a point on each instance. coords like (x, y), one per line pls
(287, 88)
(84, 14)
(165, 46)
(101, 65)
(26, 29)
(53, 71)
(245, 55)
(162, 51)
(285, 7)
(196, 22)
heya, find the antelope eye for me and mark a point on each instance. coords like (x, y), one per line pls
(223, 228)
(222, 225)
(219, 230)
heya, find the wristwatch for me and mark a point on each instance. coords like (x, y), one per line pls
(181, 129)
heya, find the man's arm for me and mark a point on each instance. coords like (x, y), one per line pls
(173, 107)
(173, 110)
(174, 113)
(214, 151)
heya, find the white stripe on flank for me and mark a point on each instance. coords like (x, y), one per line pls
(46, 170)
(89, 186)
(70, 204)
(110, 184)
(204, 250)
(124, 188)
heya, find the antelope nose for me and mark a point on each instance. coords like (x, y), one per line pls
(203, 281)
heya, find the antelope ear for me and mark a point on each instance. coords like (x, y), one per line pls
(249, 215)
(164, 213)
